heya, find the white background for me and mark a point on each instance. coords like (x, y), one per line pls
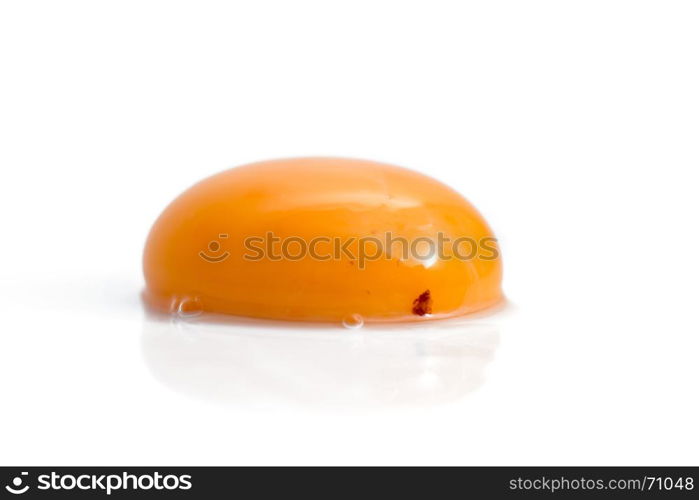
(573, 126)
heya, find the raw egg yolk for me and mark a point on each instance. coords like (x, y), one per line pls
(322, 239)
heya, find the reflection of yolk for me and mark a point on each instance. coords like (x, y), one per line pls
(322, 239)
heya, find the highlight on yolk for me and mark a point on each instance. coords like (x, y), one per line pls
(322, 239)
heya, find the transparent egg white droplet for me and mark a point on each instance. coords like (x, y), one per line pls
(189, 307)
(353, 321)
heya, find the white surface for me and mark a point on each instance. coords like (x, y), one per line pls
(571, 125)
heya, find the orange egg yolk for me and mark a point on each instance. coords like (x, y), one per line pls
(322, 239)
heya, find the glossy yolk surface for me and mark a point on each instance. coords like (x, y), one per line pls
(200, 248)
